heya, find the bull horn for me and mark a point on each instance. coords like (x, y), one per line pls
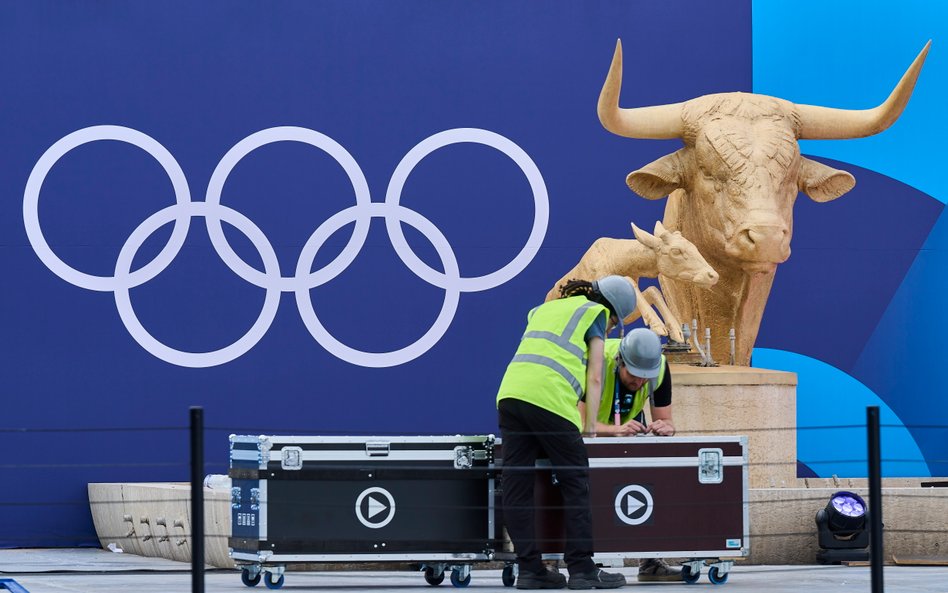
(825, 123)
(651, 123)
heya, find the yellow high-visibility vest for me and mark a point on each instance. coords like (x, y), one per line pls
(549, 367)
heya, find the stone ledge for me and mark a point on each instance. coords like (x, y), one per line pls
(154, 519)
(783, 526)
(684, 374)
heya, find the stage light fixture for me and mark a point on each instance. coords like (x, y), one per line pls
(841, 527)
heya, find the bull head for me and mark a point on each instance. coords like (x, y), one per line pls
(732, 186)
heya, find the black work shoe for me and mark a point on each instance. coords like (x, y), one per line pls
(657, 570)
(550, 578)
(597, 579)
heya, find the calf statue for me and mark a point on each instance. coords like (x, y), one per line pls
(731, 188)
(666, 252)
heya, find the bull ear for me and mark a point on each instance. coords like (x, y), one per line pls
(659, 228)
(823, 183)
(656, 179)
(644, 238)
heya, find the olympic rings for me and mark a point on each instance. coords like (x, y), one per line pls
(271, 279)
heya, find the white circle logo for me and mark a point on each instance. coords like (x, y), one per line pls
(369, 507)
(271, 279)
(634, 505)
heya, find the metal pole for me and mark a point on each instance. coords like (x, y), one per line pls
(875, 499)
(197, 499)
(732, 338)
(707, 343)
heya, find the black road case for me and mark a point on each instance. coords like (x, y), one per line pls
(425, 500)
(654, 497)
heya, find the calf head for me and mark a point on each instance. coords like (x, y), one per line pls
(676, 256)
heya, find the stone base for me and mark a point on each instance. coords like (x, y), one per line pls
(731, 400)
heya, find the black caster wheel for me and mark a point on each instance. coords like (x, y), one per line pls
(688, 576)
(715, 576)
(250, 582)
(432, 578)
(271, 583)
(508, 577)
(456, 579)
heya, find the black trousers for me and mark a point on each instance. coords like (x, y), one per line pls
(529, 431)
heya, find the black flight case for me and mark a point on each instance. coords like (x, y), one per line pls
(421, 500)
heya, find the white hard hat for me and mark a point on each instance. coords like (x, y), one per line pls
(641, 352)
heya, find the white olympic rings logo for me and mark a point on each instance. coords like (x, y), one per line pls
(271, 279)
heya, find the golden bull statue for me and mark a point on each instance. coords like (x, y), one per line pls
(731, 188)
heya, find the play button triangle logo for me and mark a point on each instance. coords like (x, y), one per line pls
(632, 504)
(376, 507)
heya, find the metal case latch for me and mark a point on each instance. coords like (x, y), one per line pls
(377, 449)
(463, 457)
(710, 466)
(291, 458)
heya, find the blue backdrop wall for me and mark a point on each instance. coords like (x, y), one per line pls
(317, 127)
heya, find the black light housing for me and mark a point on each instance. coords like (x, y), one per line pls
(841, 527)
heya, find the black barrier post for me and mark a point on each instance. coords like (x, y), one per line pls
(197, 499)
(875, 498)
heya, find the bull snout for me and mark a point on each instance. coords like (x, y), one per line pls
(761, 243)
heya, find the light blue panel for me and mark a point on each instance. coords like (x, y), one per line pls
(905, 356)
(850, 54)
(831, 421)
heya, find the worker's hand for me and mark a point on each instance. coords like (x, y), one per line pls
(662, 428)
(633, 427)
(614, 430)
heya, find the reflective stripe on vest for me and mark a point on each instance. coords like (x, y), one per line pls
(560, 369)
(563, 339)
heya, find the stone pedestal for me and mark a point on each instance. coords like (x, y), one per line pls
(730, 400)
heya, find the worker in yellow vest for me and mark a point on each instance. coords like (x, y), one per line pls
(637, 372)
(559, 362)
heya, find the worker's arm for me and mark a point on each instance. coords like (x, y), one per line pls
(604, 428)
(661, 406)
(594, 356)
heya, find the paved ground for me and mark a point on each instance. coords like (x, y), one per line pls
(100, 571)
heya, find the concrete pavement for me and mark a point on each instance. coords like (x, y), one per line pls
(100, 571)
